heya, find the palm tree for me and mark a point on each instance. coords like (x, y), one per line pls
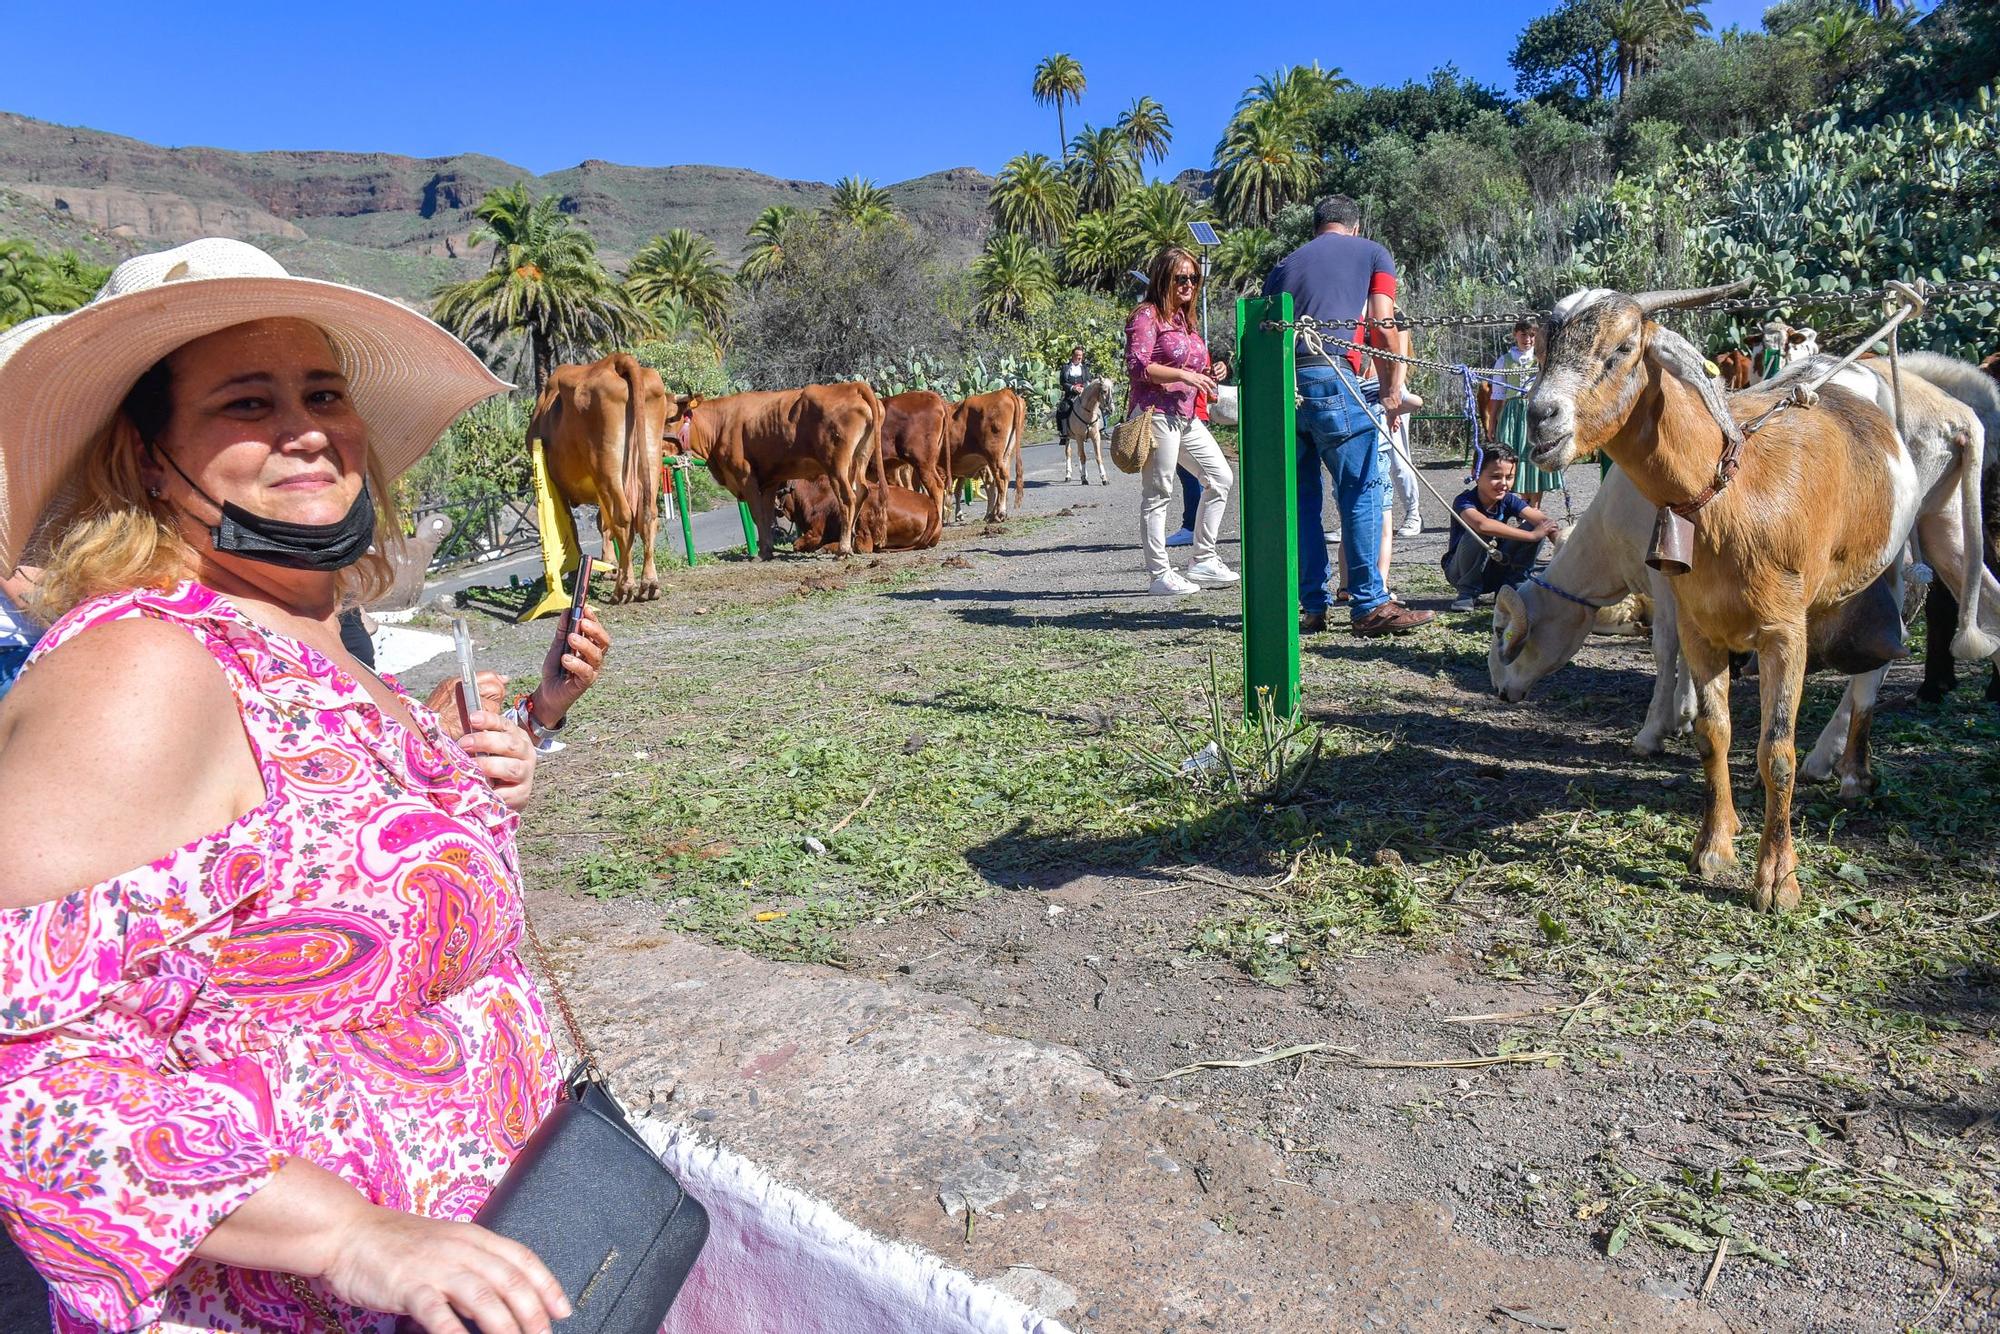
(1147, 129)
(1096, 251)
(857, 200)
(33, 284)
(1155, 217)
(1641, 30)
(681, 267)
(1243, 257)
(1262, 165)
(1031, 198)
(1296, 92)
(767, 237)
(1103, 167)
(545, 283)
(1059, 79)
(1014, 276)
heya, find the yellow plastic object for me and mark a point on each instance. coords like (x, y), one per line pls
(561, 552)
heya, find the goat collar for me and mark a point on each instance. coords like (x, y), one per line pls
(1725, 472)
(1568, 596)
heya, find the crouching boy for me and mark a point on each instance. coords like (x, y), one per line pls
(1502, 517)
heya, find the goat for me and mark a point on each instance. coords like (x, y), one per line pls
(1819, 505)
(1536, 631)
(1776, 345)
(1737, 368)
(1975, 389)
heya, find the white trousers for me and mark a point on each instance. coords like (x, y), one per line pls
(1182, 442)
(1402, 474)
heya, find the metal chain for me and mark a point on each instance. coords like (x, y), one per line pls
(1972, 287)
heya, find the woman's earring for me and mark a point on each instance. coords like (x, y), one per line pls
(154, 492)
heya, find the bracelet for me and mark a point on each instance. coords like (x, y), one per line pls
(537, 731)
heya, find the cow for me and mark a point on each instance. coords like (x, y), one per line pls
(894, 518)
(601, 426)
(754, 443)
(1085, 427)
(913, 450)
(984, 441)
(1736, 368)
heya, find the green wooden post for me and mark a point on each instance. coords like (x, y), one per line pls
(749, 529)
(681, 507)
(1269, 486)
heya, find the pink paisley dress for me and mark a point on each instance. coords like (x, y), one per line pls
(332, 976)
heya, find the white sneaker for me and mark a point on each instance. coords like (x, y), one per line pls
(1412, 527)
(1171, 584)
(1181, 537)
(1212, 573)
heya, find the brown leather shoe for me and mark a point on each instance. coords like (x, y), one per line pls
(1312, 623)
(1390, 619)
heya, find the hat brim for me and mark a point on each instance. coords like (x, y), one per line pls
(407, 377)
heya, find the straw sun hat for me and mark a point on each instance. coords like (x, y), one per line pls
(62, 377)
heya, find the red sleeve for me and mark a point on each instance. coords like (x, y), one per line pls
(1382, 284)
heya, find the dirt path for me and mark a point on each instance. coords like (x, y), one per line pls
(961, 1057)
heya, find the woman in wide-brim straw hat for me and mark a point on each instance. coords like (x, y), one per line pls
(264, 1039)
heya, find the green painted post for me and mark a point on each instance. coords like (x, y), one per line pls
(681, 507)
(1269, 485)
(749, 529)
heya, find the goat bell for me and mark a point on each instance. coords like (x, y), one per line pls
(1672, 552)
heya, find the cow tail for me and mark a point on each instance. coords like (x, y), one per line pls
(632, 474)
(1014, 444)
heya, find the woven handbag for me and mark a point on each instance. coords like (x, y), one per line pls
(1132, 441)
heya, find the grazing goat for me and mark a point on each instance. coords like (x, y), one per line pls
(1803, 515)
(1536, 630)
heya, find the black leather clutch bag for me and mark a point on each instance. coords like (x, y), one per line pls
(602, 1211)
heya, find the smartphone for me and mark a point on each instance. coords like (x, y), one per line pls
(468, 678)
(577, 598)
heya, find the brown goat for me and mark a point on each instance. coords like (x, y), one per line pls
(1823, 503)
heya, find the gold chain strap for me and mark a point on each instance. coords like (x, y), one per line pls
(313, 1302)
(548, 975)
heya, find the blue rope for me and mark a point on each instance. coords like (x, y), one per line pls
(1568, 596)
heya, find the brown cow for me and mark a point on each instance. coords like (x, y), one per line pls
(756, 442)
(600, 426)
(913, 431)
(984, 438)
(1737, 368)
(894, 518)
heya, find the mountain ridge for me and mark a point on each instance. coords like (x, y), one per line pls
(392, 222)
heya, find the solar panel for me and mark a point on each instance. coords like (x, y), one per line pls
(1204, 233)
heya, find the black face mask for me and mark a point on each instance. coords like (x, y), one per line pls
(294, 546)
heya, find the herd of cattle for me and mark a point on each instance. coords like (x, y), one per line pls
(848, 469)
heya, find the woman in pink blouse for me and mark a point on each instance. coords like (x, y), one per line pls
(265, 1042)
(1167, 363)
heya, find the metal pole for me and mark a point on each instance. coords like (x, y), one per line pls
(1270, 520)
(749, 529)
(681, 505)
(1204, 294)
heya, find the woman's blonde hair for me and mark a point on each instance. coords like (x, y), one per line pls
(104, 534)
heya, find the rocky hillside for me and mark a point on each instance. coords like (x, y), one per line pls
(395, 224)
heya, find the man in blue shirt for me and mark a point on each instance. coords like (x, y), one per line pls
(1340, 278)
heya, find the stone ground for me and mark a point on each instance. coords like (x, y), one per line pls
(985, 1080)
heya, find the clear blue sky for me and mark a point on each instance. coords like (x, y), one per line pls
(813, 91)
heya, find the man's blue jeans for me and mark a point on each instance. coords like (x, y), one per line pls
(1336, 430)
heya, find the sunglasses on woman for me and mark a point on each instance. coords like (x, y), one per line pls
(1185, 280)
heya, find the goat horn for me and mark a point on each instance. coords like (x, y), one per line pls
(1688, 296)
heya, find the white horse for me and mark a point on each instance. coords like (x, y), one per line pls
(1084, 429)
